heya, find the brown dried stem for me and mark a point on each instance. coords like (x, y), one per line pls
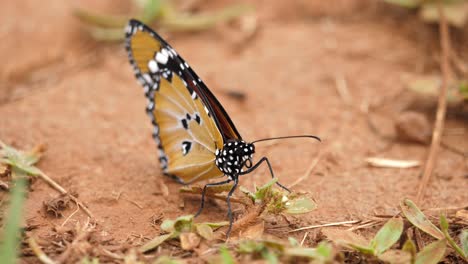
(61, 190)
(441, 106)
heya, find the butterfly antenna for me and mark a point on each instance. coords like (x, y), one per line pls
(299, 136)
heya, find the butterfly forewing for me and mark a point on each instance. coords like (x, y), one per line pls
(185, 125)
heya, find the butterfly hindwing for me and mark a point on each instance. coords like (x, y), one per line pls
(185, 127)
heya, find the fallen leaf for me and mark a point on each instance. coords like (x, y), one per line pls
(391, 163)
(349, 239)
(189, 241)
(255, 231)
(396, 257)
(432, 253)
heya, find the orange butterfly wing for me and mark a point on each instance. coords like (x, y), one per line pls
(185, 125)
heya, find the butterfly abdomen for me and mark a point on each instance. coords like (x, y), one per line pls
(234, 155)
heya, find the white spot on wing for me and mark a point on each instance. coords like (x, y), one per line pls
(147, 78)
(162, 57)
(153, 66)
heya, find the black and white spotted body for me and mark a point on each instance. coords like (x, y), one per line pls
(233, 157)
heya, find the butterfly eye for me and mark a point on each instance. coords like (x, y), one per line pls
(248, 163)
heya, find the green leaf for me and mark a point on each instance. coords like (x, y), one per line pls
(176, 22)
(12, 230)
(226, 257)
(20, 160)
(405, 3)
(410, 247)
(216, 224)
(204, 231)
(250, 246)
(445, 226)
(293, 242)
(87, 260)
(431, 254)
(463, 89)
(455, 12)
(269, 256)
(387, 235)
(151, 10)
(182, 223)
(300, 205)
(464, 241)
(247, 192)
(325, 251)
(265, 190)
(168, 225)
(155, 242)
(418, 219)
(301, 252)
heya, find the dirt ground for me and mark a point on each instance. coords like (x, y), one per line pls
(80, 98)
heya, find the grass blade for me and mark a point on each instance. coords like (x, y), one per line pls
(11, 235)
(444, 225)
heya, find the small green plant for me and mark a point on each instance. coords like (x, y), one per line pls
(110, 27)
(12, 230)
(225, 256)
(21, 165)
(418, 219)
(455, 11)
(277, 201)
(385, 238)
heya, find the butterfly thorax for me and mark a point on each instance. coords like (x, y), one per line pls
(234, 156)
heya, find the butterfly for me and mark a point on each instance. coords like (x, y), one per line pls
(196, 138)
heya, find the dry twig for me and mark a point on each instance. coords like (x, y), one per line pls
(61, 190)
(441, 105)
(325, 225)
(308, 172)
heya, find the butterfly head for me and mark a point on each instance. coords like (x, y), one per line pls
(234, 156)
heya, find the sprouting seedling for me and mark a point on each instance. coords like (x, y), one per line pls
(416, 217)
(278, 201)
(454, 10)
(109, 27)
(445, 227)
(184, 229)
(23, 164)
(385, 238)
(430, 254)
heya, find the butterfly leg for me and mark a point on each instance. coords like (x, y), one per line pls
(204, 192)
(228, 200)
(269, 167)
